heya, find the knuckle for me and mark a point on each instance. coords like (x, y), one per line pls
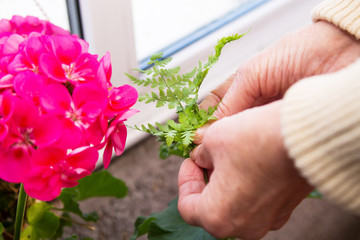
(217, 224)
(223, 110)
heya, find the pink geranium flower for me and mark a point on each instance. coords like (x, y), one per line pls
(120, 99)
(68, 61)
(26, 25)
(57, 107)
(115, 137)
(78, 112)
(29, 85)
(6, 110)
(53, 169)
(27, 130)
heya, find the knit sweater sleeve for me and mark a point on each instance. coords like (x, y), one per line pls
(321, 118)
(321, 129)
(343, 14)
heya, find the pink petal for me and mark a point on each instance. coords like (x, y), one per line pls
(47, 130)
(66, 49)
(101, 78)
(89, 93)
(15, 164)
(96, 132)
(25, 113)
(42, 186)
(48, 156)
(106, 61)
(124, 115)
(71, 136)
(11, 46)
(52, 29)
(56, 99)
(7, 106)
(69, 183)
(121, 98)
(18, 64)
(83, 158)
(86, 67)
(90, 111)
(118, 139)
(52, 67)
(84, 45)
(33, 49)
(107, 155)
(3, 130)
(5, 26)
(29, 85)
(6, 81)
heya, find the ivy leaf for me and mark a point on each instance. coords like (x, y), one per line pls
(168, 225)
(42, 222)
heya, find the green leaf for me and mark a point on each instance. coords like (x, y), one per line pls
(63, 223)
(168, 225)
(170, 137)
(42, 222)
(188, 137)
(156, 56)
(1, 231)
(47, 226)
(180, 92)
(70, 198)
(315, 194)
(142, 226)
(101, 184)
(29, 233)
(36, 212)
(73, 237)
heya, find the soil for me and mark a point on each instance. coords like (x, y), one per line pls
(152, 183)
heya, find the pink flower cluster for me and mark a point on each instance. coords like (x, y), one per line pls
(57, 107)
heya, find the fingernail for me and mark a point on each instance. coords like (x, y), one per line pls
(194, 153)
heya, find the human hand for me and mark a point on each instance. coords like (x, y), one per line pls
(253, 185)
(315, 49)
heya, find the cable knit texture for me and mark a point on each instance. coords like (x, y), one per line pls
(342, 13)
(321, 128)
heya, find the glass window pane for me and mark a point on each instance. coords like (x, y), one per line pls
(52, 10)
(159, 23)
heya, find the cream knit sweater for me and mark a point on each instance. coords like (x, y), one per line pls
(321, 119)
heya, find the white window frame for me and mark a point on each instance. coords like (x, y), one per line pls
(108, 26)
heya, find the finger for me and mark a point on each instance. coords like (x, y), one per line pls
(201, 157)
(199, 134)
(239, 97)
(216, 95)
(280, 221)
(191, 184)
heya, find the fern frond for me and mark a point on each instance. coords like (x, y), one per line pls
(179, 91)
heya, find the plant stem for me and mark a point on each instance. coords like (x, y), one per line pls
(78, 223)
(20, 211)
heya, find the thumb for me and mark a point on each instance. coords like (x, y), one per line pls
(191, 184)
